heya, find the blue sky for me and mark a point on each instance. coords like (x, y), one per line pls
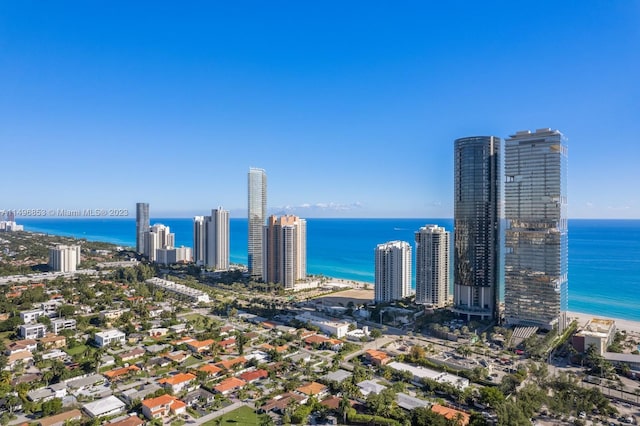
(351, 107)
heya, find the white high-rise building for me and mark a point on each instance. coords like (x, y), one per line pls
(211, 240)
(257, 210)
(432, 266)
(393, 271)
(171, 255)
(158, 237)
(217, 240)
(63, 258)
(285, 240)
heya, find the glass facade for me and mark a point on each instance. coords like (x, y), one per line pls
(536, 238)
(257, 216)
(476, 226)
(142, 225)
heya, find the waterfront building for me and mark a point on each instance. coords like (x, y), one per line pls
(142, 225)
(536, 239)
(63, 258)
(432, 266)
(393, 271)
(598, 332)
(10, 226)
(476, 226)
(285, 241)
(173, 255)
(257, 212)
(211, 240)
(158, 237)
(199, 240)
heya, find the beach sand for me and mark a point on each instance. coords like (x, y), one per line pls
(632, 327)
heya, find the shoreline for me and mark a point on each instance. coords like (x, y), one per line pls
(630, 326)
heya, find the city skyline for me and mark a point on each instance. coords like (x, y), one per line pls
(88, 93)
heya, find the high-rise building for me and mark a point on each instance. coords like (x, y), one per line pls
(211, 240)
(432, 266)
(199, 240)
(285, 240)
(476, 226)
(536, 239)
(63, 258)
(393, 271)
(257, 210)
(158, 237)
(142, 225)
(217, 245)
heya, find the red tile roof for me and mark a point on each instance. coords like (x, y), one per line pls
(229, 384)
(250, 376)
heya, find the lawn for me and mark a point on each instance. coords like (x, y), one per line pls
(240, 416)
(76, 350)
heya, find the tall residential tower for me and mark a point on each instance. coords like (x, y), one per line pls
(536, 240)
(211, 240)
(285, 240)
(257, 216)
(476, 226)
(432, 266)
(393, 271)
(142, 225)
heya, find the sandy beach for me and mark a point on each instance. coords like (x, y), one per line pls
(621, 324)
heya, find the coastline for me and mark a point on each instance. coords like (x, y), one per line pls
(632, 327)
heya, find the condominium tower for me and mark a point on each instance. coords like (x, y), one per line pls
(63, 258)
(536, 241)
(393, 271)
(158, 237)
(432, 266)
(142, 225)
(476, 226)
(211, 239)
(257, 211)
(285, 240)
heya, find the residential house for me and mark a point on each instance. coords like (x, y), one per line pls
(199, 346)
(281, 402)
(377, 358)
(231, 363)
(109, 337)
(109, 406)
(451, 414)
(121, 373)
(254, 376)
(21, 346)
(24, 358)
(162, 406)
(199, 397)
(229, 385)
(132, 420)
(179, 382)
(210, 369)
(61, 419)
(31, 316)
(59, 324)
(177, 356)
(32, 331)
(315, 389)
(132, 354)
(53, 342)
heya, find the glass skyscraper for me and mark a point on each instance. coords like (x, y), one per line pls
(142, 225)
(476, 226)
(536, 239)
(257, 217)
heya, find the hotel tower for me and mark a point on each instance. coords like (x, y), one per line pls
(257, 211)
(476, 226)
(432, 266)
(536, 241)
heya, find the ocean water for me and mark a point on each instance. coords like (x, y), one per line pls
(604, 255)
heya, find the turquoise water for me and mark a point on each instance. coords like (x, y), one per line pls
(604, 255)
